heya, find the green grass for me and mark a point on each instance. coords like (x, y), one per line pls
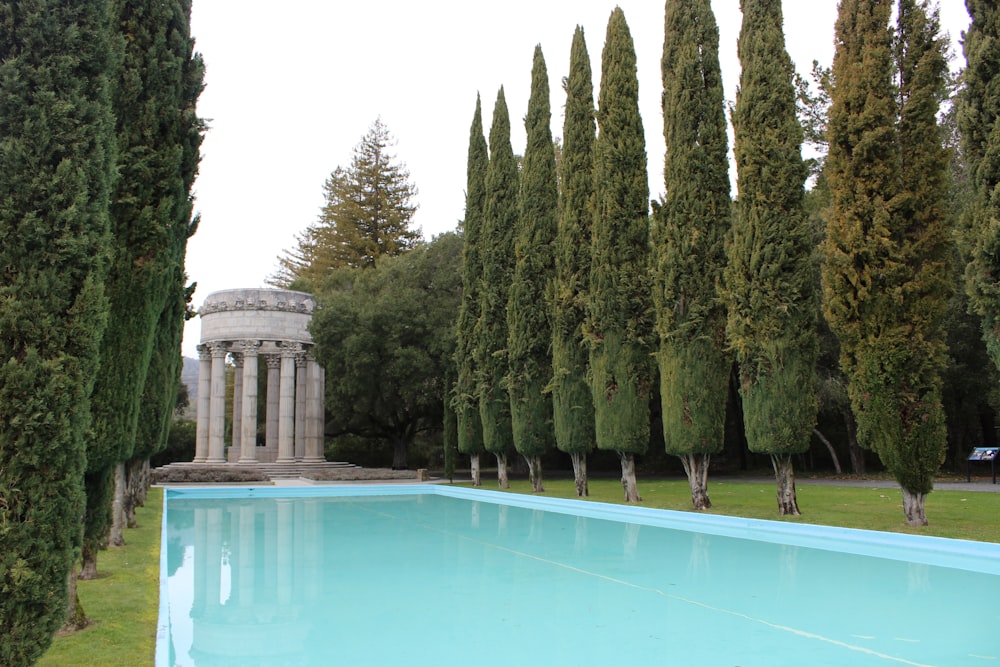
(122, 602)
(954, 514)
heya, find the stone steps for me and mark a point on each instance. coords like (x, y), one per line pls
(271, 470)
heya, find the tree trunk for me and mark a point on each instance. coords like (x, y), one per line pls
(913, 507)
(535, 473)
(580, 473)
(136, 487)
(474, 465)
(502, 477)
(829, 447)
(696, 467)
(76, 619)
(399, 454)
(628, 478)
(89, 569)
(857, 453)
(784, 475)
(117, 536)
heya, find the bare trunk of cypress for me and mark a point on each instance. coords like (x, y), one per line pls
(474, 469)
(913, 507)
(117, 536)
(399, 454)
(628, 478)
(580, 473)
(89, 569)
(696, 467)
(535, 473)
(502, 477)
(829, 448)
(857, 453)
(136, 486)
(76, 619)
(784, 475)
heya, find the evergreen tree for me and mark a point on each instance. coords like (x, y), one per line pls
(978, 112)
(368, 213)
(150, 203)
(688, 244)
(466, 398)
(572, 404)
(500, 212)
(56, 165)
(620, 313)
(886, 255)
(770, 288)
(528, 320)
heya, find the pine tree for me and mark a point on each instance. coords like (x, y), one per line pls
(573, 406)
(528, 320)
(56, 162)
(620, 313)
(978, 112)
(151, 200)
(770, 288)
(886, 273)
(368, 213)
(688, 244)
(466, 398)
(500, 211)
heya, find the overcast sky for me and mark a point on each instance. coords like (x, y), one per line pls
(289, 94)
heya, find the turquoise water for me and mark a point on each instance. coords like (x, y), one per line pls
(440, 576)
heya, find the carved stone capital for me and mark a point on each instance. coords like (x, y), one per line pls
(249, 348)
(218, 349)
(204, 352)
(273, 361)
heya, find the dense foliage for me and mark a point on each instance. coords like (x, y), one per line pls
(620, 318)
(688, 243)
(572, 404)
(528, 317)
(56, 165)
(770, 286)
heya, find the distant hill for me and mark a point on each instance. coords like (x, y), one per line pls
(189, 376)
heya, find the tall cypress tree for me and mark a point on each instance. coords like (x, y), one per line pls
(770, 285)
(572, 404)
(500, 212)
(466, 398)
(528, 318)
(620, 313)
(688, 243)
(56, 161)
(886, 274)
(978, 113)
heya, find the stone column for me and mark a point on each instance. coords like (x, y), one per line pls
(204, 403)
(286, 404)
(301, 384)
(271, 418)
(314, 413)
(248, 436)
(217, 410)
(234, 447)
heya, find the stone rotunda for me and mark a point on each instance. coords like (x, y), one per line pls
(259, 329)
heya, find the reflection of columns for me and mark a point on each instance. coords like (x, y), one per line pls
(286, 404)
(301, 378)
(217, 407)
(213, 559)
(204, 403)
(271, 418)
(248, 438)
(247, 548)
(314, 413)
(237, 407)
(286, 551)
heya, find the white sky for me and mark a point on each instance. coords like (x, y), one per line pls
(290, 92)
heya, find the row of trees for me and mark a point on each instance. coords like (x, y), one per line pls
(100, 149)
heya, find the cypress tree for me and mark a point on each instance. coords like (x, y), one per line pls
(56, 158)
(688, 243)
(528, 318)
(620, 317)
(466, 393)
(886, 271)
(978, 112)
(500, 212)
(770, 285)
(150, 202)
(572, 404)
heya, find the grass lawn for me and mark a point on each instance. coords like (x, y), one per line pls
(123, 603)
